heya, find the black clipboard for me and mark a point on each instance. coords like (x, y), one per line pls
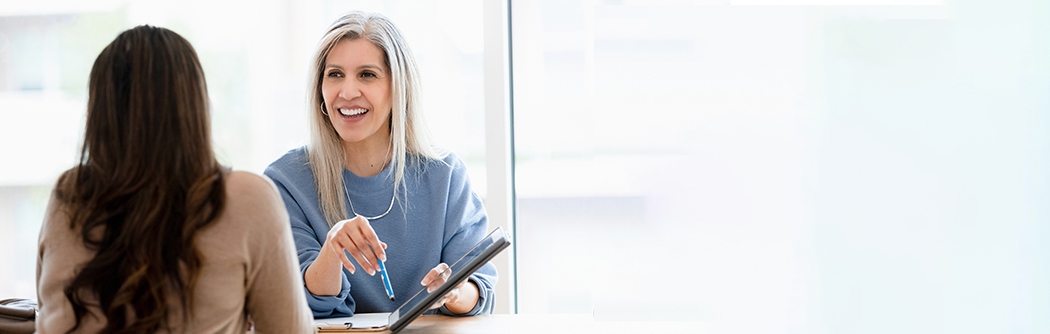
(478, 256)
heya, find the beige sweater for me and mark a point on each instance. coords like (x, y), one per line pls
(250, 268)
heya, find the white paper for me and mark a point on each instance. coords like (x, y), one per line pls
(360, 320)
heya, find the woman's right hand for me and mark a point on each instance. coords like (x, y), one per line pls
(356, 236)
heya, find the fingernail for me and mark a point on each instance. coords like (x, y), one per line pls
(423, 283)
(382, 257)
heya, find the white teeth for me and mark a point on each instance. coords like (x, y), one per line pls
(352, 112)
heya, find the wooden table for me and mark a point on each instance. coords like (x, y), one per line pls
(542, 324)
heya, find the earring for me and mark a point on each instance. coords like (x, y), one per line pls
(323, 110)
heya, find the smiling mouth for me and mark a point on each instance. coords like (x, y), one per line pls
(352, 112)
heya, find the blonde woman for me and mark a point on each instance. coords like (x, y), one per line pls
(370, 187)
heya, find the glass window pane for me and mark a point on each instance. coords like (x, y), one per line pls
(777, 169)
(255, 57)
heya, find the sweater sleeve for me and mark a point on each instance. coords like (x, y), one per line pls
(466, 224)
(272, 305)
(308, 244)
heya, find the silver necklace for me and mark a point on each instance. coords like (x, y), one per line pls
(347, 192)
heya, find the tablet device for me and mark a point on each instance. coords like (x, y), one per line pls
(420, 302)
(478, 256)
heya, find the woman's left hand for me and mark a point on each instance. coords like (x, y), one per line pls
(459, 300)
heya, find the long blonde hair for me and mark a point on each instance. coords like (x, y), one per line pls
(408, 133)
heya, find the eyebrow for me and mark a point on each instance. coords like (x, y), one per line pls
(366, 66)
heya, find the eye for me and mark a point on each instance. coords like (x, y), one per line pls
(334, 74)
(368, 75)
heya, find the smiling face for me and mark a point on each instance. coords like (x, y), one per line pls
(355, 85)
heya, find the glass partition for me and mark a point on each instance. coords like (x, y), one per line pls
(785, 167)
(255, 57)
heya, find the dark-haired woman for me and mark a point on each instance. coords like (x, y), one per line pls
(148, 233)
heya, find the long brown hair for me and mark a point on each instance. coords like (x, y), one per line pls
(147, 181)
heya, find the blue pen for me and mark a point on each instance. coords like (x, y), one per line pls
(386, 279)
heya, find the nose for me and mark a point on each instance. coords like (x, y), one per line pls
(349, 89)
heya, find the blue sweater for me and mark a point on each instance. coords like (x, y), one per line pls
(443, 219)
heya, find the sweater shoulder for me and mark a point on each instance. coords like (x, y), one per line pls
(449, 164)
(291, 166)
(294, 158)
